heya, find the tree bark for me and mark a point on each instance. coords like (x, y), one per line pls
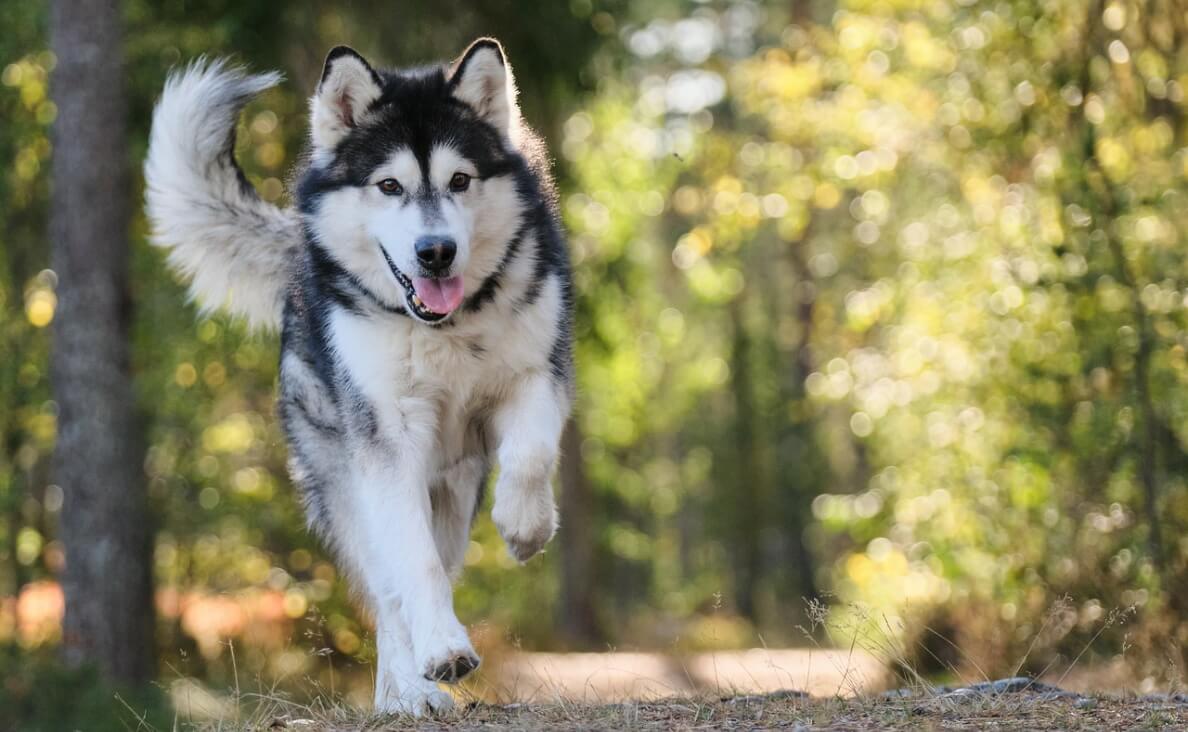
(98, 455)
(798, 482)
(577, 621)
(744, 499)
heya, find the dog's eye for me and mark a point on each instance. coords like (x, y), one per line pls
(390, 187)
(459, 182)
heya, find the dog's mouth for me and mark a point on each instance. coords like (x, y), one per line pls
(430, 299)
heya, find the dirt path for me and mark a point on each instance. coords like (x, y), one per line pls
(980, 712)
(613, 677)
(746, 690)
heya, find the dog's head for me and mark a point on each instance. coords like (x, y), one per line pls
(411, 186)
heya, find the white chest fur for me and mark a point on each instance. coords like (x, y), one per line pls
(426, 384)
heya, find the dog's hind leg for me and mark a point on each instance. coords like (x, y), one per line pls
(455, 499)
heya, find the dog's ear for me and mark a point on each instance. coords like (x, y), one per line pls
(482, 78)
(348, 87)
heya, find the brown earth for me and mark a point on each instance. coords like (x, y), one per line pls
(1005, 712)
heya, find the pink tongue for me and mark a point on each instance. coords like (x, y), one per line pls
(440, 296)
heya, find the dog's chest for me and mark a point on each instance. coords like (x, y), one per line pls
(420, 379)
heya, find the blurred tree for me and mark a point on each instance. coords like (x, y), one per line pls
(98, 455)
(577, 620)
(921, 312)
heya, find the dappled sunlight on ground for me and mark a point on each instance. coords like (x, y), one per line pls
(594, 678)
(608, 677)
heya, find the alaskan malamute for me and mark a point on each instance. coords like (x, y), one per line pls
(421, 284)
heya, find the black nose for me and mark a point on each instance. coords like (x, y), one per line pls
(436, 253)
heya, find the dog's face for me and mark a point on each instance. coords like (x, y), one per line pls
(411, 186)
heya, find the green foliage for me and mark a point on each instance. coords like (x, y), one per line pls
(38, 695)
(924, 258)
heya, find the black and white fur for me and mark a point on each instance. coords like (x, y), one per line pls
(394, 411)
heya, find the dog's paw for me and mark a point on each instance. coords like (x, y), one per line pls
(526, 519)
(420, 700)
(398, 690)
(448, 656)
(452, 669)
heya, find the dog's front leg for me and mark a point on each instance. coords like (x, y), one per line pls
(528, 427)
(400, 685)
(420, 638)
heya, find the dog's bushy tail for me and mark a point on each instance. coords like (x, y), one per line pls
(236, 249)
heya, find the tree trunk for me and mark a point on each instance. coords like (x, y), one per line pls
(578, 622)
(743, 500)
(799, 479)
(98, 455)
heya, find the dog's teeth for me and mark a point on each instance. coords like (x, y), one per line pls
(417, 301)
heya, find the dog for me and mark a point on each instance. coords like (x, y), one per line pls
(422, 288)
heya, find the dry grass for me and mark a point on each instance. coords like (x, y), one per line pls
(1001, 712)
(711, 699)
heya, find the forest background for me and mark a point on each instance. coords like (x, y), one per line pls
(881, 310)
